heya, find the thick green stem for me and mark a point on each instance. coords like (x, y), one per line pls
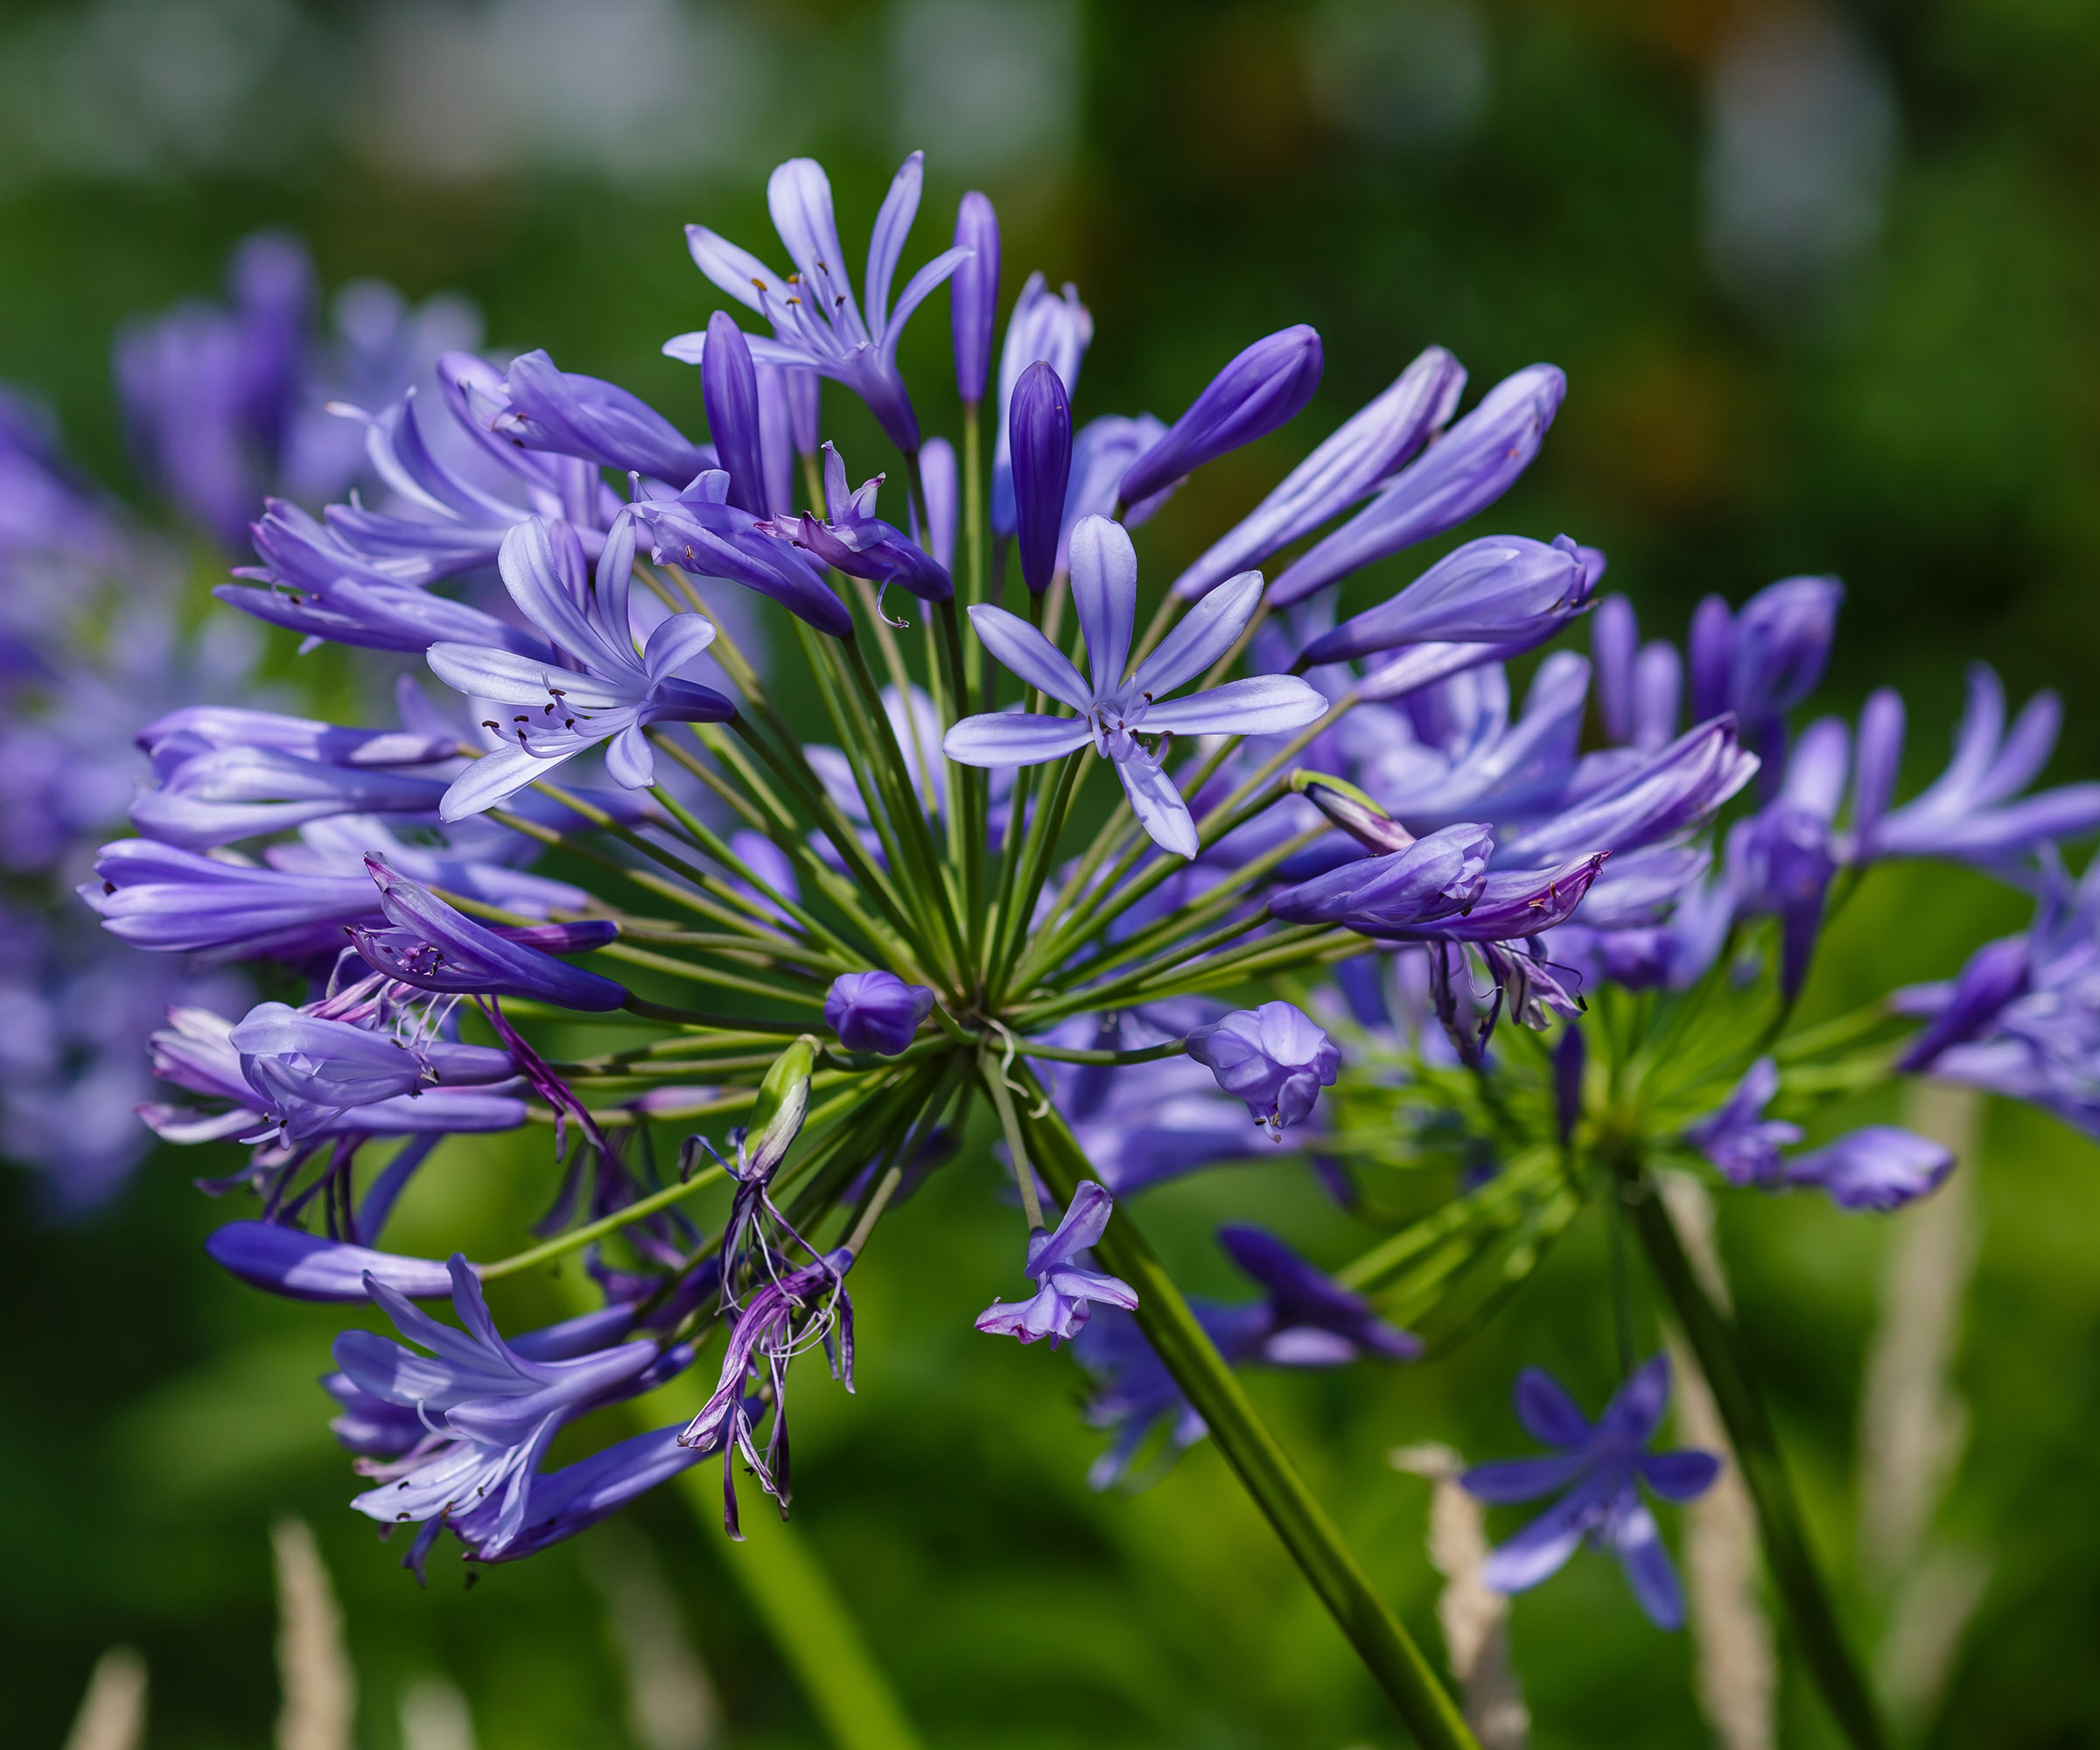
(1262, 1467)
(1718, 1346)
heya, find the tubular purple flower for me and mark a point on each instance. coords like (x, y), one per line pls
(1112, 714)
(974, 294)
(818, 324)
(1501, 589)
(1996, 974)
(1674, 790)
(1055, 329)
(1381, 437)
(605, 693)
(1439, 876)
(1511, 906)
(1425, 665)
(1614, 647)
(1781, 641)
(224, 794)
(1463, 472)
(1658, 680)
(1313, 1321)
(1711, 649)
(1067, 1290)
(155, 896)
(701, 533)
(1738, 1139)
(1877, 1167)
(938, 474)
(1040, 435)
(571, 415)
(1599, 1467)
(304, 1266)
(729, 389)
(1973, 811)
(1275, 1058)
(858, 543)
(559, 1504)
(1789, 854)
(434, 948)
(1877, 759)
(179, 734)
(1264, 387)
(876, 1012)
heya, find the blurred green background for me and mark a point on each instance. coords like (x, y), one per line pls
(1824, 284)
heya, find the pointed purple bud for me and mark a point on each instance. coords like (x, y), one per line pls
(1274, 1058)
(1658, 685)
(1879, 756)
(876, 1012)
(1039, 435)
(1463, 472)
(1431, 879)
(1614, 645)
(1781, 641)
(1711, 646)
(729, 388)
(1500, 589)
(292, 1262)
(1878, 1167)
(939, 475)
(974, 294)
(1356, 813)
(1265, 386)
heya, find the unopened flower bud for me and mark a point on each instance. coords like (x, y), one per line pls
(876, 1012)
(1355, 813)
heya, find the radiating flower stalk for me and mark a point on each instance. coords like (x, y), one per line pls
(1485, 975)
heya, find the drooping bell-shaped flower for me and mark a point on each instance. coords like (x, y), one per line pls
(1275, 1058)
(1067, 1290)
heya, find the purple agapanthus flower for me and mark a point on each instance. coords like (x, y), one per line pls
(1313, 1321)
(974, 293)
(156, 896)
(1501, 589)
(1639, 686)
(1264, 386)
(559, 1504)
(793, 1311)
(602, 693)
(1974, 811)
(876, 1012)
(1738, 1139)
(1760, 662)
(1040, 435)
(729, 389)
(1275, 1058)
(1053, 328)
(491, 1412)
(1599, 1467)
(852, 539)
(1878, 1166)
(1785, 858)
(1067, 1290)
(434, 948)
(818, 323)
(1464, 472)
(1381, 437)
(1112, 713)
(304, 1266)
(563, 414)
(215, 795)
(701, 533)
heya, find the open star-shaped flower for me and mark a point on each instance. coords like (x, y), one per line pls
(1115, 713)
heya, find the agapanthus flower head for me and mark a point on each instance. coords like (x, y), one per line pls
(1464, 472)
(1276, 1058)
(1067, 1290)
(818, 323)
(1113, 713)
(599, 692)
(1599, 1467)
(876, 1012)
